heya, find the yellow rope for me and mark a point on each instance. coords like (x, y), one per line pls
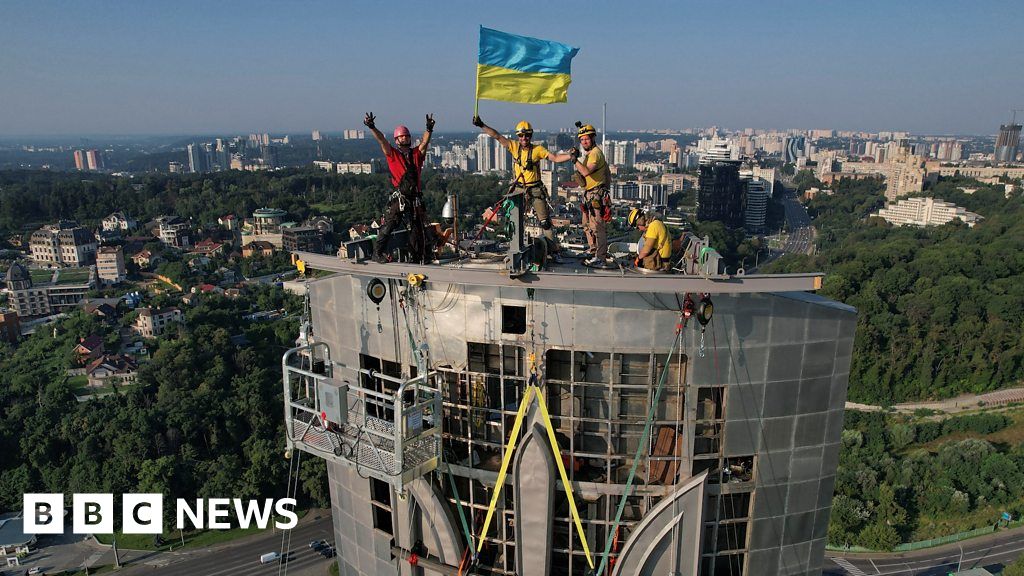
(531, 392)
(504, 465)
(565, 477)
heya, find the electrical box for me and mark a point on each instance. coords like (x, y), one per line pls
(333, 399)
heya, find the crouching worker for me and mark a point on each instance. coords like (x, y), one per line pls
(406, 203)
(656, 252)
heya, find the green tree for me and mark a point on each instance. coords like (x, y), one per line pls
(879, 536)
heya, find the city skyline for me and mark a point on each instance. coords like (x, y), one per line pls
(937, 68)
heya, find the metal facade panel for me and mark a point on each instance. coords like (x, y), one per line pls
(782, 358)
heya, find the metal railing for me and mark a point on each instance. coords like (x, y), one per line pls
(387, 427)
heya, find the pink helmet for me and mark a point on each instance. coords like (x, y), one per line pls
(401, 130)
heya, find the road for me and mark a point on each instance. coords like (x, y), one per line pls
(990, 552)
(801, 233)
(241, 557)
(958, 404)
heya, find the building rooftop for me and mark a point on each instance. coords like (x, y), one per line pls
(572, 276)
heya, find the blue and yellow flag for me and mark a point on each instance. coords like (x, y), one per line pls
(522, 69)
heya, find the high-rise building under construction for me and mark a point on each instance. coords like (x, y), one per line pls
(1007, 142)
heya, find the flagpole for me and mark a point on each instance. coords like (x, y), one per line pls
(476, 102)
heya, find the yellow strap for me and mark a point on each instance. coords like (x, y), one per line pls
(509, 450)
(565, 477)
(531, 391)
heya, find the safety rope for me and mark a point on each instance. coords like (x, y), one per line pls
(291, 491)
(462, 514)
(636, 457)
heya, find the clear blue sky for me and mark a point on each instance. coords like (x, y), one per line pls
(236, 67)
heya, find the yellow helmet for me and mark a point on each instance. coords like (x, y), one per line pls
(585, 130)
(524, 129)
(634, 215)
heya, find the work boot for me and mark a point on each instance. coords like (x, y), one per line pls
(380, 258)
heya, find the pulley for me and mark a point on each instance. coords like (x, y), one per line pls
(705, 310)
(376, 290)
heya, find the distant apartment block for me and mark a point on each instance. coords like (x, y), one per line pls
(91, 160)
(979, 172)
(153, 323)
(49, 291)
(906, 174)
(357, 167)
(94, 160)
(354, 134)
(755, 202)
(654, 193)
(324, 165)
(679, 182)
(925, 212)
(64, 244)
(110, 268)
(719, 189)
(303, 239)
(625, 191)
(174, 231)
(317, 136)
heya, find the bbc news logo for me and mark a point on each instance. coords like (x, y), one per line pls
(144, 513)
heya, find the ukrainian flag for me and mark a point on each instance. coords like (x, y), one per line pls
(522, 69)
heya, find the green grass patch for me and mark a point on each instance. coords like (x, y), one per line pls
(105, 569)
(334, 569)
(93, 391)
(40, 276)
(73, 276)
(80, 381)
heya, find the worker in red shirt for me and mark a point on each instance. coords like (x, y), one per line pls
(406, 203)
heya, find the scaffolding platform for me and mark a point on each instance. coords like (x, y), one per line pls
(386, 427)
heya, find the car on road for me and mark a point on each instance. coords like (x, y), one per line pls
(327, 552)
(317, 545)
(269, 557)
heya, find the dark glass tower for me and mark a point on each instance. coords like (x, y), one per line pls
(720, 192)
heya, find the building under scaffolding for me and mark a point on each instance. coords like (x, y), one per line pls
(412, 390)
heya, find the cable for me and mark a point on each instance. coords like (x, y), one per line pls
(643, 439)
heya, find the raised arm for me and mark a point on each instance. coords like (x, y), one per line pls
(425, 141)
(490, 131)
(369, 121)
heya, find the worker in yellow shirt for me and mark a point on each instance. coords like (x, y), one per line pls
(656, 252)
(595, 202)
(526, 157)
